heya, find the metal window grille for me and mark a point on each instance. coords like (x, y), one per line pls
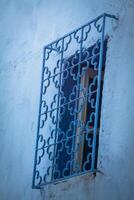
(69, 109)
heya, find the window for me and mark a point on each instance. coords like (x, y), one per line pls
(74, 123)
(70, 104)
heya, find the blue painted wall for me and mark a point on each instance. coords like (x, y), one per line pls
(25, 27)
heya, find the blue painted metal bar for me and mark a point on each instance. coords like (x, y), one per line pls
(98, 94)
(38, 127)
(90, 22)
(72, 66)
(76, 98)
(58, 103)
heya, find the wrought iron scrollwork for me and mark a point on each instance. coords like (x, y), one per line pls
(69, 108)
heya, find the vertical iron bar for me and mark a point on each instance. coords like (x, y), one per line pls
(98, 95)
(77, 96)
(57, 115)
(38, 126)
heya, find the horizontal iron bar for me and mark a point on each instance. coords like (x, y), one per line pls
(56, 181)
(66, 104)
(111, 16)
(84, 132)
(72, 66)
(90, 22)
(51, 48)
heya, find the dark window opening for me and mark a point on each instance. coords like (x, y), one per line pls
(76, 121)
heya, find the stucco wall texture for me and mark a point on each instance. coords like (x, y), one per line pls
(25, 27)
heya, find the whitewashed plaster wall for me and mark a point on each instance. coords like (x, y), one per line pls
(25, 27)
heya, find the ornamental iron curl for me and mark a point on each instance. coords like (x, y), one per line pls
(70, 102)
